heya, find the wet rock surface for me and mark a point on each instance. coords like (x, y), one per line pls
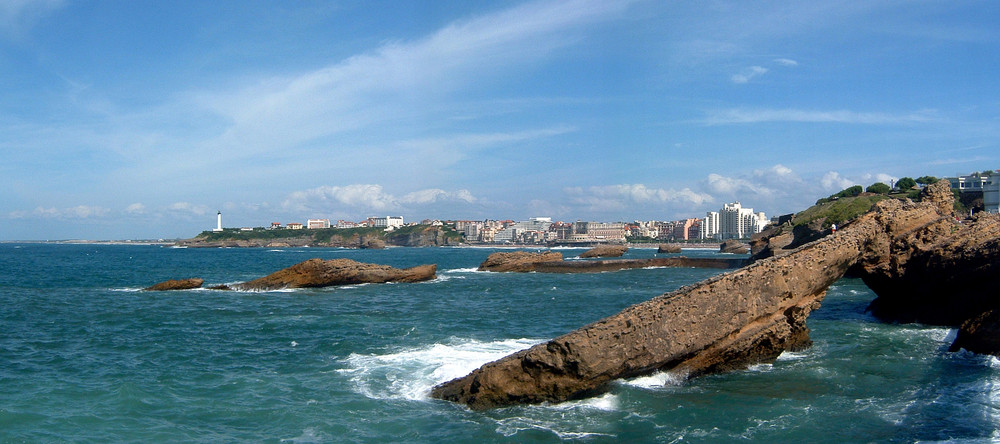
(605, 251)
(324, 273)
(177, 284)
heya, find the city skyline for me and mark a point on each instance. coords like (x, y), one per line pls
(140, 120)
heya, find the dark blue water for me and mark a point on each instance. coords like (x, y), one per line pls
(87, 357)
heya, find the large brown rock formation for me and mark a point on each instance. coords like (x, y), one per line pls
(323, 273)
(605, 251)
(726, 322)
(522, 261)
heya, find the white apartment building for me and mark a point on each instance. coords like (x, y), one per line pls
(732, 222)
(318, 223)
(389, 222)
(509, 233)
(988, 185)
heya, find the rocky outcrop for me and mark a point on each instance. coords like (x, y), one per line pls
(735, 319)
(733, 246)
(943, 273)
(668, 249)
(605, 251)
(522, 261)
(176, 284)
(324, 273)
(980, 334)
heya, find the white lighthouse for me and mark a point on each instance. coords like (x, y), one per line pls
(218, 225)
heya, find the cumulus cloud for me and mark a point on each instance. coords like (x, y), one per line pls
(619, 197)
(435, 195)
(748, 74)
(136, 208)
(833, 181)
(368, 197)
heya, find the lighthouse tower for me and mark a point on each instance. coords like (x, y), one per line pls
(218, 226)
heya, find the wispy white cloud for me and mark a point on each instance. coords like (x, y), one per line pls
(18, 16)
(76, 212)
(748, 74)
(188, 208)
(745, 115)
(398, 79)
(786, 62)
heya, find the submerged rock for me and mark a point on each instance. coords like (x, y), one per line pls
(177, 284)
(980, 334)
(323, 273)
(605, 251)
(733, 246)
(668, 249)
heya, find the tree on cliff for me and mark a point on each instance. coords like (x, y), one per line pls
(926, 180)
(905, 184)
(878, 188)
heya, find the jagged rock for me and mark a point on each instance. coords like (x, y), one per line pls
(735, 319)
(773, 241)
(605, 251)
(980, 334)
(733, 246)
(943, 273)
(177, 284)
(522, 261)
(323, 273)
(372, 243)
(668, 249)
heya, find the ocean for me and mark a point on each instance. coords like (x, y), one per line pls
(86, 356)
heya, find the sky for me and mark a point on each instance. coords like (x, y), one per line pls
(141, 119)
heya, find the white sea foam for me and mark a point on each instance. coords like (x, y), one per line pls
(411, 373)
(656, 380)
(792, 356)
(513, 425)
(463, 270)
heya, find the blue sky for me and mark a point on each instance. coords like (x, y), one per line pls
(141, 119)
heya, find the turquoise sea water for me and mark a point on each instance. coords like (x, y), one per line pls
(87, 357)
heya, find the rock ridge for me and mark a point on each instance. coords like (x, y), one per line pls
(745, 316)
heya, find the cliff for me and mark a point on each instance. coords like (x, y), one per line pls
(741, 317)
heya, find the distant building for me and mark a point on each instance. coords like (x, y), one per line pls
(318, 223)
(687, 229)
(732, 222)
(988, 184)
(275, 225)
(346, 224)
(389, 222)
(294, 226)
(218, 226)
(528, 231)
